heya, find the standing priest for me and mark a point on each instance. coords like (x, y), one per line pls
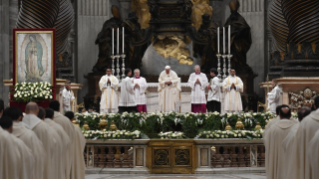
(140, 87)
(198, 82)
(109, 98)
(127, 97)
(232, 87)
(169, 88)
(274, 96)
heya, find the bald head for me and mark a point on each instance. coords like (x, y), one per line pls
(285, 112)
(197, 68)
(137, 73)
(32, 108)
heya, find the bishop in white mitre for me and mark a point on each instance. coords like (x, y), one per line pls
(68, 102)
(44, 133)
(127, 98)
(276, 166)
(274, 97)
(232, 87)
(169, 88)
(198, 82)
(306, 131)
(109, 98)
(17, 162)
(30, 140)
(140, 86)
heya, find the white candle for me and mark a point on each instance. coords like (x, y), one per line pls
(224, 48)
(112, 41)
(123, 40)
(229, 51)
(218, 40)
(118, 41)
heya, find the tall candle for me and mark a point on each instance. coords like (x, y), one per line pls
(118, 41)
(229, 51)
(218, 40)
(123, 40)
(112, 41)
(224, 48)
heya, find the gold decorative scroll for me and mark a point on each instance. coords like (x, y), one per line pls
(142, 12)
(200, 7)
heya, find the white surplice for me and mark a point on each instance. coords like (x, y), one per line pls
(275, 157)
(44, 133)
(274, 98)
(313, 155)
(63, 143)
(306, 131)
(35, 145)
(214, 94)
(78, 169)
(109, 97)
(140, 98)
(127, 97)
(198, 90)
(68, 100)
(232, 99)
(168, 96)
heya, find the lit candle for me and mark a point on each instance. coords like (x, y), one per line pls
(112, 41)
(218, 40)
(229, 40)
(123, 40)
(224, 48)
(118, 41)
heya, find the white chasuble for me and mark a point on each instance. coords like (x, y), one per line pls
(140, 98)
(275, 156)
(313, 155)
(232, 98)
(34, 144)
(127, 97)
(274, 98)
(44, 133)
(198, 90)
(78, 169)
(169, 95)
(68, 128)
(109, 97)
(68, 100)
(306, 131)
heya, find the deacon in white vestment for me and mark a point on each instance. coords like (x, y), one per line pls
(169, 88)
(275, 157)
(274, 97)
(313, 155)
(127, 97)
(140, 86)
(198, 82)
(306, 131)
(44, 133)
(214, 92)
(30, 140)
(109, 98)
(69, 129)
(68, 98)
(232, 87)
(78, 169)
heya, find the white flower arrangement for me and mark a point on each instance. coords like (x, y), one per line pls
(104, 134)
(171, 135)
(37, 91)
(218, 134)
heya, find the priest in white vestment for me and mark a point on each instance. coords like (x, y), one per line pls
(24, 162)
(214, 92)
(274, 97)
(169, 88)
(30, 139)
(44, 133)
(198, 82)
(306, 131)
(275, 156)
(69, 129)
(232, 87)
(78, 169)
(313, 155)
(140, 86)
(127, 98)
(109, 97)
(68, 99)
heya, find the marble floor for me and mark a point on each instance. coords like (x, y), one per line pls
(169, 176)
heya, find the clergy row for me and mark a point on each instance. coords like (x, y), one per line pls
(42, 144)
(292, 147)
(132, 97)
